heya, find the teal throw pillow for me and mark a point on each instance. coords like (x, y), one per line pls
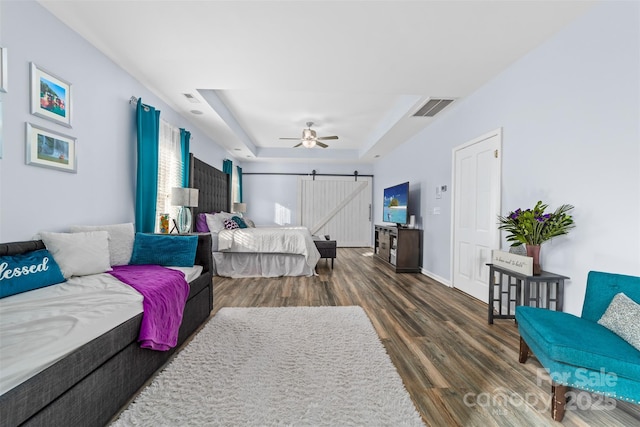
(164, 249)
(28, 271)
(239, 221)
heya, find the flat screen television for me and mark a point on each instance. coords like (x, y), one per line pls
(396, 201)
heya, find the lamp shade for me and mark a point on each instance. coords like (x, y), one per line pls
(240, 207)
(184, 197)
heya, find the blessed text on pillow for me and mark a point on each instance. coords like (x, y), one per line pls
(28, 271)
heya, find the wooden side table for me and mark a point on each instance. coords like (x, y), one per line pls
(544, 290)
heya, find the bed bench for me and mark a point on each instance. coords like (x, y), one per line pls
(326, 247)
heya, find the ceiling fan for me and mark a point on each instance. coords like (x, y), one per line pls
(310, 139)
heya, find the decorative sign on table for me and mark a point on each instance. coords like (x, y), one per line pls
(518, 263)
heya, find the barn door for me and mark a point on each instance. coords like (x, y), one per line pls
(337, 206)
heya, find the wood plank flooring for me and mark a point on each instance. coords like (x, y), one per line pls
(459, 370)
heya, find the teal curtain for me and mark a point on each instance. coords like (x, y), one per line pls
(239, 169)
(227, 166)
(148, 124)
(185, 137)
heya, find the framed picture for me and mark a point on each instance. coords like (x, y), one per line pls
(49, 149)
(50, 96)
(3, 69)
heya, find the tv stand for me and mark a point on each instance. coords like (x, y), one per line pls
(398, 247)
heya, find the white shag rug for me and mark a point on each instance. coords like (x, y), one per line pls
(316, 366)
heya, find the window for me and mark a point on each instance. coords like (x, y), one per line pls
(169, 170)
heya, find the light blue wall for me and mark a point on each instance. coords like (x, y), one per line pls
(273, 199)
(570, 114)
(103, 190)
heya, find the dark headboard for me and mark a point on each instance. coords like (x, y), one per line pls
(215, 191)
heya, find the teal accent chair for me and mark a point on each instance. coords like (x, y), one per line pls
(579, 353)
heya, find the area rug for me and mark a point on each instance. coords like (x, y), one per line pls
(319, 366)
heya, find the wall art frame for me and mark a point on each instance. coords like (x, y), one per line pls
(3, 69)
(50, 96)
(50, 149)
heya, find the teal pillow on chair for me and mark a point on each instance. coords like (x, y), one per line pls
(28, 271)
(164, 249)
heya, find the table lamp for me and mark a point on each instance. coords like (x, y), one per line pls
(240, 208)
(186, 198)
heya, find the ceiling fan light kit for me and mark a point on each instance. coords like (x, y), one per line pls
(310, 138)
(308, 143)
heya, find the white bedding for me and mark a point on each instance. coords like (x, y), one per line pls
(237, 265)
(271, 240)
(40, 327)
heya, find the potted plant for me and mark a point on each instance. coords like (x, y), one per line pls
(532, 227)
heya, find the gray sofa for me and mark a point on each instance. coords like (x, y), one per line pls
(90, 385)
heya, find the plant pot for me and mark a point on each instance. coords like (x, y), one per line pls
(534, 252)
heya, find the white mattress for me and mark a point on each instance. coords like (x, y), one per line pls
(40, 327)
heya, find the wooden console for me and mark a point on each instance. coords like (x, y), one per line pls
(398, 247)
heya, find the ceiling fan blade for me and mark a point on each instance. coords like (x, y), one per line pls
(328, 137)
(321, 144)
(291, 138)
(297, 145)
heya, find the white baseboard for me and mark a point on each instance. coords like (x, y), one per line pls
(437, 278)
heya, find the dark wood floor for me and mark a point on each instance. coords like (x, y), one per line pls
(459, 370)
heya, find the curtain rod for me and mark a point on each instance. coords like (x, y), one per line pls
(134, 101)
(313, 174)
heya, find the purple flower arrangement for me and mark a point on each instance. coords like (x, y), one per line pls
(533, 226)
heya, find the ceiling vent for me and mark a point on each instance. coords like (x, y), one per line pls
(432, 107)
(192, 99)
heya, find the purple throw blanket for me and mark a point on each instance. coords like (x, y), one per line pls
(165, 293)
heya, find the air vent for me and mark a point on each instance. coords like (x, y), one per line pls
(432, 107)
(192, 99)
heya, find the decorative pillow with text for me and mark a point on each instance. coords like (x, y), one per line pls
(28, 271)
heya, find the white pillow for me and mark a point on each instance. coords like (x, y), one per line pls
(622, 318)
(121, 238)
(79, 254)
(215, 222)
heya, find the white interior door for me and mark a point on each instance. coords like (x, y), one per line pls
(477, 171)
(337, 206)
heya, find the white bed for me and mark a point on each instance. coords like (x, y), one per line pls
(247, 257)
(265, 252)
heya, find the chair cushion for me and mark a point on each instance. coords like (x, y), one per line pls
(576, 341)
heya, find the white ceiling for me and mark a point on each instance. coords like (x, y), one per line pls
(357, 69)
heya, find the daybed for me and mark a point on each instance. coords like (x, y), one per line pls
(249, 252)
(92, 383)
(598, 352)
